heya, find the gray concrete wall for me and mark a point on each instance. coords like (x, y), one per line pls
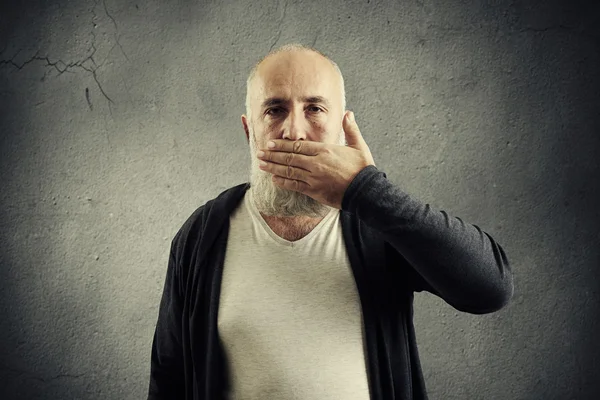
(118, 119)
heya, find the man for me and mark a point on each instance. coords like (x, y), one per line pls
(300, 284)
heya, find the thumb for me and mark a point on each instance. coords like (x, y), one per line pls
(354, 138)
(353, 135)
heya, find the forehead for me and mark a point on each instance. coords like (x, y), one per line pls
(296, 74)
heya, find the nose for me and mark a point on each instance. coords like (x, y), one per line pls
(295, 126)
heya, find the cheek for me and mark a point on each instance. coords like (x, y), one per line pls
(318, 127)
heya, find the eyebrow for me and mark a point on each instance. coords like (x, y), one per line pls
(273, 101)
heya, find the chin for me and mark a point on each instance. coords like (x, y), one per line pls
(271, 200)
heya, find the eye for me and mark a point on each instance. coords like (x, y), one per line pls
(271, 109)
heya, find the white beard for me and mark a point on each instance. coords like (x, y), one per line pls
(272, 200)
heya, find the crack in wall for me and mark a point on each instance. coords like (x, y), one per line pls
(280, 25)
(87, 97)
(61, 67)
(316, 36)
(116, 29)
(67, 67)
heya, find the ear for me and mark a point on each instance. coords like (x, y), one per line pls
(245, 125)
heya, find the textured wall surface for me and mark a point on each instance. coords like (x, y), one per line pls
(118, 119)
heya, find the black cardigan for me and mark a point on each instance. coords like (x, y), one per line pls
(396, 245)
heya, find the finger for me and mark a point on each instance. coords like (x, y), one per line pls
(284, 158)
(285, 171)
(305, 147)
(290, 184)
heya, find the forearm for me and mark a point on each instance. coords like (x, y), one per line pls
(461, 262)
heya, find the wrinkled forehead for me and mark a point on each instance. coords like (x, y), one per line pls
(296, 74)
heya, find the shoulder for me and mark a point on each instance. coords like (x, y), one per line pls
(203, 225)
(191, 230)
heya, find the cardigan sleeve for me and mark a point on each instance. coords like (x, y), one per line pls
(166, 365)
(450, 258)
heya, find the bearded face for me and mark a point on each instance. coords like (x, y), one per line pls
(295, 95)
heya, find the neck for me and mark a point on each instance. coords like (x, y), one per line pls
(291, 220)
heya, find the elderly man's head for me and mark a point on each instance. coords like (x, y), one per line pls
(294, 93)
